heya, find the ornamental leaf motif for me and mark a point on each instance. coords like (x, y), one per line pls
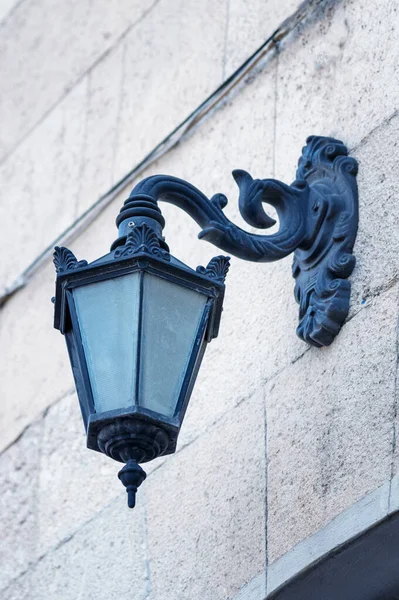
(142, 238)
(65, 260)
(323, 264)
(216, 269)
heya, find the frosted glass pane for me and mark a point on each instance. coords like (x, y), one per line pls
(108, 315)
(171, 318)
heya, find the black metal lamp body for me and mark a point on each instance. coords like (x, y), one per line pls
(137, 321)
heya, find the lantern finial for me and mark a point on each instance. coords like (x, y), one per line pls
(132, 476)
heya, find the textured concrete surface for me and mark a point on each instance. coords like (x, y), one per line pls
(40, 184)
(330, 426)
(343, 79)
(217, 487)
(394, 489)
(19, 471)
(37, 370)
(73, 483)
(395, 437)
(168, 70)
(41, 65)
(102, 114)
(377, 244)
(254, 590)
(104, 560)
(249, 24)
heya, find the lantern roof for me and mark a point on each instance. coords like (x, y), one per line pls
(143, 250)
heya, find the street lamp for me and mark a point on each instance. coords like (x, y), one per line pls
(137, 320)
(136, 324)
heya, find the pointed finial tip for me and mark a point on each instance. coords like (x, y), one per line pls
(131, 498)
(132, 476)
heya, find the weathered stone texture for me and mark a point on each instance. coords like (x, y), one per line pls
(101, 128)
(40, 63)
(395, 433)
(40, 184)
(105, 560)
(35, 370)
(337, 76)
(249, 24)
(377, 243)
(145, 87)
(330, 425)
(19, 472)
(343, 80)
(73, 483)
(206, 511)
(168, 71)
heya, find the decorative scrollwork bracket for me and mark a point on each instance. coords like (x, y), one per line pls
(318, 220)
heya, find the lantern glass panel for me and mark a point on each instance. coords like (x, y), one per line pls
(171, 319)
(108, 317)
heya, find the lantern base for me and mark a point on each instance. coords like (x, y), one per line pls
(132, 476)
(130, 439)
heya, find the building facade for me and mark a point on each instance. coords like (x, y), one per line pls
(285, 482)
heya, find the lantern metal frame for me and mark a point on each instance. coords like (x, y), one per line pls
(66, 321)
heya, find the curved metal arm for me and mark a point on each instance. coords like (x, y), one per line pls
(289, 201)
(318, 216)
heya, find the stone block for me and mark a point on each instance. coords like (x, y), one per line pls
(104, 560)
(335, 77)
(206, 511)
(249, 25)
(169, 69)
(330, 426)
(74, 482)
(96, 239)
(103, 114)
(35, 369)
(41, 180)
(377, 243)
(41, 65)
(19, 470)
(17, 590)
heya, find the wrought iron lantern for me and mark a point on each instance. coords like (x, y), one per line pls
(136, 324)
(137, 320)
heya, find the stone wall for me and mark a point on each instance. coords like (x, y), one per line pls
(280, 440)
